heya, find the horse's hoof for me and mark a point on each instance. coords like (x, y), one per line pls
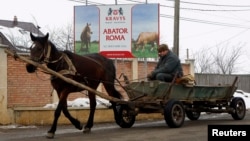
(50, 135)
(79, 127)
(86, 130)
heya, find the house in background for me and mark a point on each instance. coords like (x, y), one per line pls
(16, 34)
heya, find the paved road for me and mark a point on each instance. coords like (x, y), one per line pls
(141, 130)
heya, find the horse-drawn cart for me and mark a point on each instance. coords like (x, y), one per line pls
(175, 101)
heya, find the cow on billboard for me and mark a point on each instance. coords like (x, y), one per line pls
(144, 38)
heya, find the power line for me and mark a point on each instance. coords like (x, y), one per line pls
(215, 10)
(217, 5)
(206, 4)
(181, 18)
(182, 8)
(206, 22)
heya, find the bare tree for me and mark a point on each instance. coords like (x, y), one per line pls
(225, 58)
(221, 61)
(62, 37)
(203, 61)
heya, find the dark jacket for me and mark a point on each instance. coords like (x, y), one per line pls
(170, 63)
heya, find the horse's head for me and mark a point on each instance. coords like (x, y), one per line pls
(88, 29)
(39, 51)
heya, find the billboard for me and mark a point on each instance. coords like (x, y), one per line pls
(117, 31)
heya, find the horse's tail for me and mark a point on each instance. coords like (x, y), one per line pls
(111, 69)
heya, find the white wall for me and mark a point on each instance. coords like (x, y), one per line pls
(6, 114)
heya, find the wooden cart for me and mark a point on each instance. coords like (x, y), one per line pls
(175, 101)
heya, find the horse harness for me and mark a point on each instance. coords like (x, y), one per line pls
(71, 68)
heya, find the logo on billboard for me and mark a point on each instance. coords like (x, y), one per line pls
(115, 11)
(115, 15)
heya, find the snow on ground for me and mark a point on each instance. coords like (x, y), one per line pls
(102, 103)
(83, 102)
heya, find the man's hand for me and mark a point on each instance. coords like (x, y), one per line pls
(149, 75)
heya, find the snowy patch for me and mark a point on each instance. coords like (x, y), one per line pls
(16, 126)
(82, 103)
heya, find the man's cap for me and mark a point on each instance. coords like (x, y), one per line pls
(162, 47)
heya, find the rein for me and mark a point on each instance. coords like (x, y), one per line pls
(47, 56)
(71, 70)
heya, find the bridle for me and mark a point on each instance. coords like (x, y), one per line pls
(47, 55)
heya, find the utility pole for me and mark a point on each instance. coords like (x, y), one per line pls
(176, 27)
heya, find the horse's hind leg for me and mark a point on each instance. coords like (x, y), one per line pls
(113, 92)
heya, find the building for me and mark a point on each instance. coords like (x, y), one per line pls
(15, 34)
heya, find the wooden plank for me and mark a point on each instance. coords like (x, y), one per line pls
(68, 80)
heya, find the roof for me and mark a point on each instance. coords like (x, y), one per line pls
(16, 34)
(24, 25)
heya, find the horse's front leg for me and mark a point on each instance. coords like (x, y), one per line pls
(57, 113)
(89, 125)
(74, 121)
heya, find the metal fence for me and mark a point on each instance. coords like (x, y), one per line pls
(243, 82)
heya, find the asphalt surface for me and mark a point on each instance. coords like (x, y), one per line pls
(151, 130)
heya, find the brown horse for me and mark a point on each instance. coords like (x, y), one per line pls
(90, 70)
(146, 38)
(86, 38)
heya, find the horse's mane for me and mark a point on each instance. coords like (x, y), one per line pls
(53, 47)
(70, 54)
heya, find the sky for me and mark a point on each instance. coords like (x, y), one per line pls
(204, 24)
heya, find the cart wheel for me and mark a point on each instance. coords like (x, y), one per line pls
(125, 119)
(240, 108)
(193, 115)
(174, 113)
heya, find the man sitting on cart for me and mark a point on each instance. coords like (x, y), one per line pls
(168, 66)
